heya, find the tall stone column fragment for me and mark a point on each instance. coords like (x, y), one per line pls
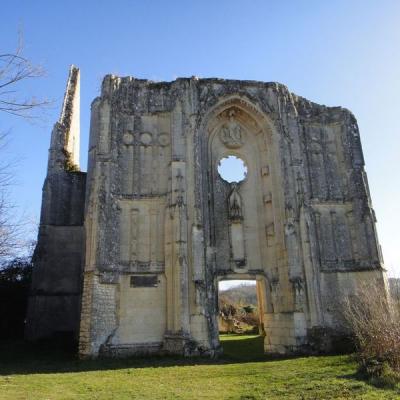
(55, 297)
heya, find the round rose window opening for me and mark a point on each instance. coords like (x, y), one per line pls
(232, 169)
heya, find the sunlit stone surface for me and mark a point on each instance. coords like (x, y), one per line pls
(129, 256)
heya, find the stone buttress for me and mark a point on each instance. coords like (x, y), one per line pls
(55, 297)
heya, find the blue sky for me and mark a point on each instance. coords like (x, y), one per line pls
(332, 52)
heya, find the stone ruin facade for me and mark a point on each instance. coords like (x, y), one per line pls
(130, 254)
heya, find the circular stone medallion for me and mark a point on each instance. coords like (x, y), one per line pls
(163, 139)
(146, 138)
(127, 138)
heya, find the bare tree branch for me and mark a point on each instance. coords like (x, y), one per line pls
(15, 71)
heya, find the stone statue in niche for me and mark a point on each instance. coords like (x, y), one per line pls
(231, 133)
(235, 203)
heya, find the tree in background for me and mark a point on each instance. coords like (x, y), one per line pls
(15, 72)
(238, 309)
(15, 280)
(15, 271)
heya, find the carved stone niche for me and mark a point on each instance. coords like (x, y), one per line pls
(235, 203)
(236, 234)
(232, 134)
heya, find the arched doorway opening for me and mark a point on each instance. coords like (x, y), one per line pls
(240, 318)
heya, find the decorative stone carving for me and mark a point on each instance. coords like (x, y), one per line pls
(231, 133)
(265, 170)
(128, 138)
(290, 227)
(235, 203)
(146, 138)
(179, 189)
(163, 139)
(299, 293)
(267, 198)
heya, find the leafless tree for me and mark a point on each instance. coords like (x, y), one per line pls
(8, 230)
(15, 72)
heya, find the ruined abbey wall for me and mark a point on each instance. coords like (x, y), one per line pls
(161, 227)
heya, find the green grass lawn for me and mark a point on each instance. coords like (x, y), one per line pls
(242, 373)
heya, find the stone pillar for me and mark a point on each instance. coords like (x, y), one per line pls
(176, 268)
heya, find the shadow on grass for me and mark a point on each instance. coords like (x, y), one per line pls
(244, 348)
(20, 357)
(27, 358)
(375, 383)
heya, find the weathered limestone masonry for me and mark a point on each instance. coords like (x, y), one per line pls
(54, 304)
(162, 227)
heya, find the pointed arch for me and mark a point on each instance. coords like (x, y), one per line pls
(262, 122)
